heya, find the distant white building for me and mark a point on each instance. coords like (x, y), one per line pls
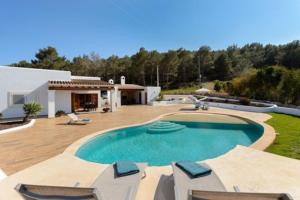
(128, 94)
(59, 90)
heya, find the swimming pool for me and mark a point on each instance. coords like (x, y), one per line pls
(162, 142)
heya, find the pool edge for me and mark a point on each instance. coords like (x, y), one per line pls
(267, 138)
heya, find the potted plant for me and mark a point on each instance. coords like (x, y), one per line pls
(31, 110)
(60, 113)
(106, 108)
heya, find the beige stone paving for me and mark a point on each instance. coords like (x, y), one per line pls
(50, 137)
(257, 171)
(206, 118)
(61, 170)
(249, 169)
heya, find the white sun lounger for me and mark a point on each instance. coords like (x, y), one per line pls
(210, 187)
(183, 183)
(76, 120)
(106, 187)
(117, 188)
(195, 101)
(197, 195)
(199, 103)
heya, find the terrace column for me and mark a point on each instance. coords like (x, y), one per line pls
(51, 103)
(113, 99)
(143, 96)
(99, 99)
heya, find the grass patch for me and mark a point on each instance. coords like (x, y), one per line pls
(189, 90)
(184, 90)
(287, 143)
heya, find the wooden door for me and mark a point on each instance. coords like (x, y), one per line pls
(94, 99)
(75, 102)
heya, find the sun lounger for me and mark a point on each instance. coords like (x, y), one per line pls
(195, 101)
(107, 186)
(113, 187)
(76, 120)
(196, 195)
(32, 192)
(209, 186)
(205, 106)
(184, 183)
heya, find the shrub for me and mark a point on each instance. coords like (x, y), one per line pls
(218, 86)
(160, 96)
(31, 110)
(244, 101)
(60, 113)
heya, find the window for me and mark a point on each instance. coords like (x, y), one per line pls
(18, 99)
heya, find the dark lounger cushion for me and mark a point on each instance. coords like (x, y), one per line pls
(125, 168)
(193, 169)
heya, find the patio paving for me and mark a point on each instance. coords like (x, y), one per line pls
(47, 140)
(50, 137)
(249, 169)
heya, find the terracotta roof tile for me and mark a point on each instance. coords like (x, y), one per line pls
(130, 87)
(78, 84)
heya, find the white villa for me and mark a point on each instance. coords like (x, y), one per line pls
(60, 91)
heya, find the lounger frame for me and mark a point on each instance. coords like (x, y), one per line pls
(61, 192)
(198, 194)
(106, 186)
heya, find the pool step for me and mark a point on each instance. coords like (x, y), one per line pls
(164, 127)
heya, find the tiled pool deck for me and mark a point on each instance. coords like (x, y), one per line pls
(249, 169)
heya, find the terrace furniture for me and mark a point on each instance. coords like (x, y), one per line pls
(210, 187)
(195, 101)
(89, 106)
(107, 186)
(76, 120)
(106, 109)
(197, 195)
(34, 192)
(205, 106)
(184, 183)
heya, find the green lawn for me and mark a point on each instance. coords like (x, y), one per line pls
(184, 90)
(287, 143)
(189, 90)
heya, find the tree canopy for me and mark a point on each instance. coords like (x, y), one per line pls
(248, 65)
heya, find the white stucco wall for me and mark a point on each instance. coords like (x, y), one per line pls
(33, 82)
(63, 101)
(86, 78)
(152, 93)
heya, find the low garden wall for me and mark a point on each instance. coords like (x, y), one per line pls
(243, 108)
(274, 108)
(268, 107)
(290, 111)
(18, 127)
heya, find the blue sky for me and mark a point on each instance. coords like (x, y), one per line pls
(121, 27)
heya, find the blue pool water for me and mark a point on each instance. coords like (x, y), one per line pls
(154, 144)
